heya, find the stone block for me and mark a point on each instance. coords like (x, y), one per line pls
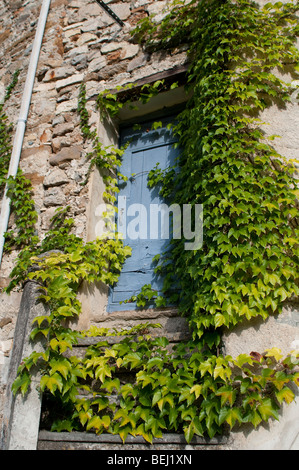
(90, 10)
(75, 51)
(72, 80)
(91, 25)
(80, 61)
(56, 177)
(35, 160)
(72, 32)
(67, 106)
(122, 10)
(40, 152)
(35, 178)
(75, 4)
(44, 87)
(130, 51)
(112, 70)
(44, 107)
(58, 74)
(85, 38)
(57, 120)
(97, 64)
(57, 61)
(137, 62)
(66, 154)
(54, 197)
(111, 47)
(114, 57)
(62, 129)
(56, 144)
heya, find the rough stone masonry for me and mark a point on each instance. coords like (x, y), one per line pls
(83, 43)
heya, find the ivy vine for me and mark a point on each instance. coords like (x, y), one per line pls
(19, 188)
(248, 265)
(6, 129)
(249, 262)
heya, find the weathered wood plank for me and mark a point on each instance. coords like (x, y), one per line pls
(174, 74)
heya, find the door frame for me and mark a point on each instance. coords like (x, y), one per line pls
(94, 299)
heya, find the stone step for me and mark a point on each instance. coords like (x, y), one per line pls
(89, 441)
(172, 324)
(172, 338)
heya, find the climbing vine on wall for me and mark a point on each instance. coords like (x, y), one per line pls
(249, 262)
(19, 189)
(247, 267)
(6, 129)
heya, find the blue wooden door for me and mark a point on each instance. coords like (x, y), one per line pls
(146, 148)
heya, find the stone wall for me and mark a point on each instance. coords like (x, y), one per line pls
(82, 43)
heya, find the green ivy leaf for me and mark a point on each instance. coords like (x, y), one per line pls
(268, 409)
(51, 382)
(227, 394)
(21, 383)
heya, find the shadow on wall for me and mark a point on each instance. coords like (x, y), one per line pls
(94, 298)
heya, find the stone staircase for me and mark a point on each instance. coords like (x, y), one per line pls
(174, 328)
(23, 424)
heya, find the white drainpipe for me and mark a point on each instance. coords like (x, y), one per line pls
(22, 120)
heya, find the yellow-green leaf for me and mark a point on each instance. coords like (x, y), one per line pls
(274, 352)
(267, 409)
(197, 390)
(95, 422)
(285, 394)
(51, 382)
(227, 393)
